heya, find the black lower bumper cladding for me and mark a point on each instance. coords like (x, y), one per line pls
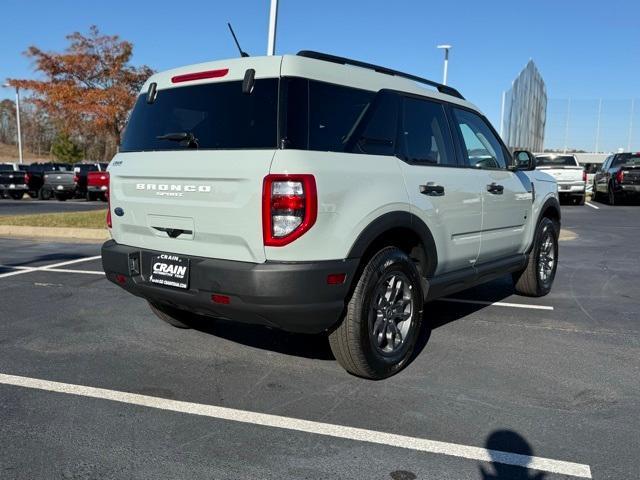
(293, 296)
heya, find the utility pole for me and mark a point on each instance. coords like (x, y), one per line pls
(446, 49)
(273, 24)
(6, 85)
(598, 126)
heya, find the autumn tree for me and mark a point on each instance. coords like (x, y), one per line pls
(90, 87)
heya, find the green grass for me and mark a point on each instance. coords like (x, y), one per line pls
(92, 219)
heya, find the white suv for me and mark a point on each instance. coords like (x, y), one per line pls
(315, 193)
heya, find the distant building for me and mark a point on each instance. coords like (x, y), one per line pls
(524, 111)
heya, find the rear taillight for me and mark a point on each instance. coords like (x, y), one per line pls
(27, 177)
(584, 175)
(109, 206)
(619, 176)
(289, 208)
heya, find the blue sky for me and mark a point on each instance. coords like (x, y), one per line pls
(584, 49)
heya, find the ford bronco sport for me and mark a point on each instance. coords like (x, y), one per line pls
(319, 194)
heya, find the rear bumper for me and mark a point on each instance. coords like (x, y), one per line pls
(630, 188)
(97, 189)
(62, 188)
(573, 188)
(14, 187)
(290, 296)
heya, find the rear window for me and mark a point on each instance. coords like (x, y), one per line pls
(6, 168)
(631, 159)
(557, 161)
(217, 115)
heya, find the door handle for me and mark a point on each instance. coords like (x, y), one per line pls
(495, 188)
(432, 189)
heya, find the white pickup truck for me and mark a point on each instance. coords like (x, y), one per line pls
(571, 177)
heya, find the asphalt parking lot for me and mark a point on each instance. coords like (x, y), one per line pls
(92, 385)
(28, 206)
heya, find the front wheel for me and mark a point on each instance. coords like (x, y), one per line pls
(45, 193)
(378, 333)
(537, 277)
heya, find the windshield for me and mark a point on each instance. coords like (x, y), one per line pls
(209, 116)
(627, 159)
(556, 161)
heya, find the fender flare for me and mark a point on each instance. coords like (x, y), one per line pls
(550, 203)
(398, 219)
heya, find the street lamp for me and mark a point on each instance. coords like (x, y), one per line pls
(6, 85)
(273, 24)
(446, 49)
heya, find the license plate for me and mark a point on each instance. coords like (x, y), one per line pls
(564, 187)
(12, 186)
(60, 187)
(170, 271)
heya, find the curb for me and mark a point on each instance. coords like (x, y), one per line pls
(54, 232)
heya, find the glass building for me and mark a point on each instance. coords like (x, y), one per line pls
(524, 111)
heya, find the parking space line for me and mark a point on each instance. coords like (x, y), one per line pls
(496, 304)
(591, 205)
(307, 426)
(21, 269)
(68, 270)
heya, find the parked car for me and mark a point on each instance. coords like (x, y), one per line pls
(81, 171)
(570, 175)
(35, 178)
(316, 193)
(590, 170)
(97, 185)
(13, 180)
(618, 178)
(59, 183)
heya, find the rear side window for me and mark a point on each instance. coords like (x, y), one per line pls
(481, 147)
(212, 115)
(323, 116)
(425, 134)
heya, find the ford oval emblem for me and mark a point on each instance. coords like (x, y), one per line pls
(118, 211)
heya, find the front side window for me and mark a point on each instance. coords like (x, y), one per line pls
(207, 116)
(481, 147)
(425, 134)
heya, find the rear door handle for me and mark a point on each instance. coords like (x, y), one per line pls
(495, 188)
(432, 189)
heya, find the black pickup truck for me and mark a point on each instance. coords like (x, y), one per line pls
(13, 180)
(618, 178)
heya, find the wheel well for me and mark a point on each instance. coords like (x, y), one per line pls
(552, 213)
(406, 240)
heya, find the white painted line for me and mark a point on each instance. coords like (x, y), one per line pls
(68, 270)
(24, 269)
(296, 424)
(591, 205)
(496, 304)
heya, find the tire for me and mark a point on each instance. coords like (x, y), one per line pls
(16, 195)
(354, 344)
(581, 200)
(530, 281)
(611, 196)
(173, 316)
(594, 194)
(45, 194)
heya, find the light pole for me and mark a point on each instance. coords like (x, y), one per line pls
(273, 23)
(446, 49)
(6, 85)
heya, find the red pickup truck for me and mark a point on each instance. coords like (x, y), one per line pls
(97, 186)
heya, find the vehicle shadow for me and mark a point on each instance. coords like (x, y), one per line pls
(435, 315)
(501, 444)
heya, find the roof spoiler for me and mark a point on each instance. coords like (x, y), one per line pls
(347, 61)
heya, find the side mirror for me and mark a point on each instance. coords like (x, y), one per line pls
(523, 160)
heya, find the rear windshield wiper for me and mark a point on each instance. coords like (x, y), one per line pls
(187, 137)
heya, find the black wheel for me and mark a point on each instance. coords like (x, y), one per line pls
(594, 194)
(173, 316)
(611, 196)
(580, 200)
(537, 277)
(16, 195)
(45, 193)
(378, 333)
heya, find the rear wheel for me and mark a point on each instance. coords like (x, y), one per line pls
(537, 277)
(580, 200)
(378, 333)
(45, 193)
(173, 316)
(16, 195)
(611, 198)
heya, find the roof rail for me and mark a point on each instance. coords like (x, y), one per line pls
(346, 61)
